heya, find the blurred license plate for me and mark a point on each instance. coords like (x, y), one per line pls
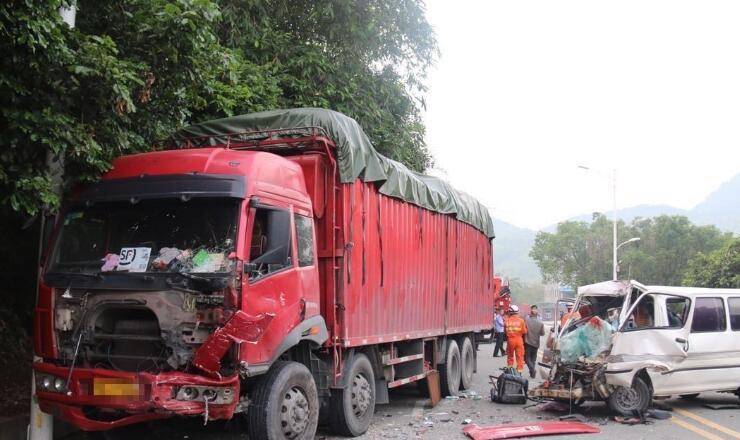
(115, 387)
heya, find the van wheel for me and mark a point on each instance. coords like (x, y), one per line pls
(353, 407)
(285, 404)
(467, 355)
(449, 376)
(626, 400)
(689, 396)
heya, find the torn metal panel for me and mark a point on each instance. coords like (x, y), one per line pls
(521, 430)
(241, 327)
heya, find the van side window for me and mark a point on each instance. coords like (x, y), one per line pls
(643, 315)
(270, 249)
(734, 304)
(678, 311)
(304, 236)
(709, 315)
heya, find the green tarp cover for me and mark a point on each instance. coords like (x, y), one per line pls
(356, 158)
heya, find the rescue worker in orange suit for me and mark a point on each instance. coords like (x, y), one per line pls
(515, 328)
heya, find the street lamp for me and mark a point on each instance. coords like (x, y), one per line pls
(631, 240)
(614, 232)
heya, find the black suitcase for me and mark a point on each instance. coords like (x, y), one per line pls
(510, 387)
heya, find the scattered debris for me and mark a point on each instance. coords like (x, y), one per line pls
(658, 414)
(554, 406)
(520, 430)
(724, 406)
(577, 417)
(467, 421)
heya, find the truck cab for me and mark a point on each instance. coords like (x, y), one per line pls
(175, 274)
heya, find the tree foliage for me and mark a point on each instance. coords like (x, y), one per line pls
(579, 253)
(720, 268)
(133, 71)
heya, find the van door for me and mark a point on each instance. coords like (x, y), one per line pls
(713, 360)
(653, 336)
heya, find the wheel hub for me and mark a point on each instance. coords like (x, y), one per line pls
(361, 395)
(295, 413)
(628, 398)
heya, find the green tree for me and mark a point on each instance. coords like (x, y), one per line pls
(133, 71)
(666, 245)
(579, 253)
(720, 268)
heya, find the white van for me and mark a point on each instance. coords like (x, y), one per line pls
(664, 341)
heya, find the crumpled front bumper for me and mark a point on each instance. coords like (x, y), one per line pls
(156, 399)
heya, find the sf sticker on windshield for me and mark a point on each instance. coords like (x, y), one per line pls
(134, 259)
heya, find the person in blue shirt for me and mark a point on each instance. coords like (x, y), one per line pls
(498, 333)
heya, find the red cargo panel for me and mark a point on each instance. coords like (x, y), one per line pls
(409, 272)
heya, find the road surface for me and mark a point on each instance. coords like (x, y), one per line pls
(408, 417)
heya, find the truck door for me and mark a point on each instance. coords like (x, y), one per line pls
(653, 336)
(272, 287)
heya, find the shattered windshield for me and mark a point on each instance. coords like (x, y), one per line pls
(607, 308)
(160, 235)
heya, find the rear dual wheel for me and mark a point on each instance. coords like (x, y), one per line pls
(352, 408)
(467, 358)
(449, 374)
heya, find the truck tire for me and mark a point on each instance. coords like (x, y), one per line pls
(352, 408)
(449, 374)
(467, 356)
(285, 404)
(625, 401)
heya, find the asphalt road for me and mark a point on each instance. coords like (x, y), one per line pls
(408, 417)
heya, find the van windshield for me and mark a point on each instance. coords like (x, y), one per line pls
(159, 235)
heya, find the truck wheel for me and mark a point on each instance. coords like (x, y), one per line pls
(285, 404)
(625, 401)
(353, 407)
(449, 375)
(467, 356)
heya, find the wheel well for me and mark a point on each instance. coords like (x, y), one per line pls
(643, 374)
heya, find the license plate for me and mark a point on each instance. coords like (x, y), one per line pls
(115, 387)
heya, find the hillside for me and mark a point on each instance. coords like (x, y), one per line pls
(512, 243)
(511, 252)
(721, 208)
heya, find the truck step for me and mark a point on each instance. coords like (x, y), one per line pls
(387, 360)
(405, 380)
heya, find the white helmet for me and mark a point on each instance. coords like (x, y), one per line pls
(513, 308)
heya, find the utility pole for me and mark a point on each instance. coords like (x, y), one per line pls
(41, 425)
(615, 263)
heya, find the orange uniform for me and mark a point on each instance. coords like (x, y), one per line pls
(515, 329)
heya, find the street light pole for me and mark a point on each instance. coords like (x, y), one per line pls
(614, 228)
(614, 220)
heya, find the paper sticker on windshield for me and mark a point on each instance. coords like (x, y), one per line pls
(134, 259)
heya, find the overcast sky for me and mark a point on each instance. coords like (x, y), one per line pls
(527, 90)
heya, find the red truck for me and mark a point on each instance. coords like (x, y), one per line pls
(270, 264)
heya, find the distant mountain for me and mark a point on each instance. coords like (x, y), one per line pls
(511, 252)
(512, 244)
(721, 208)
